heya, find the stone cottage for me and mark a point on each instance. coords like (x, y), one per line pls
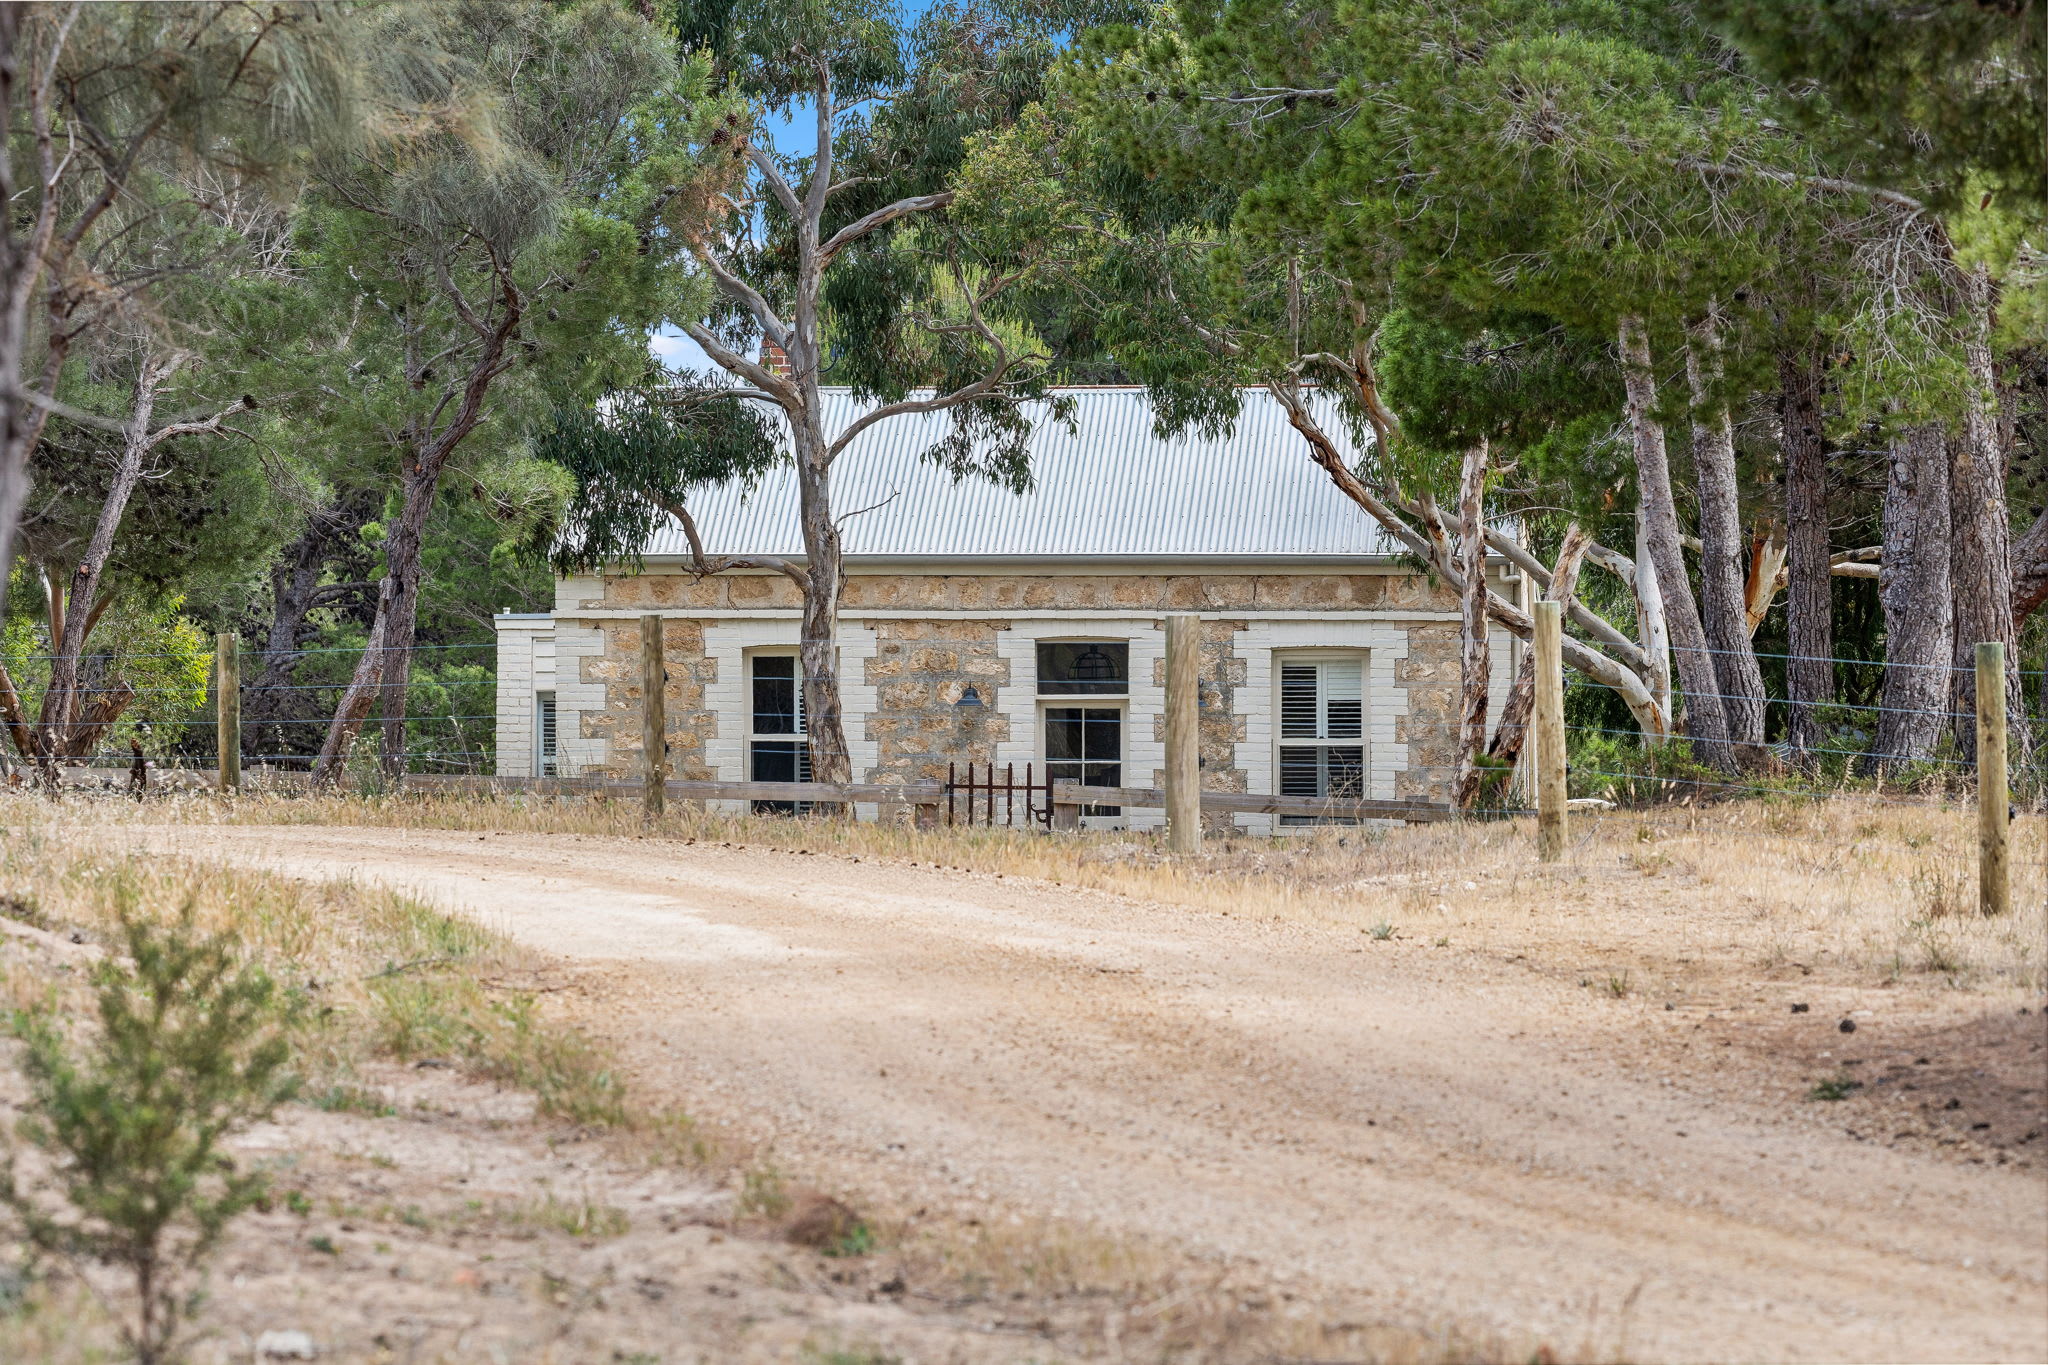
(985, 626)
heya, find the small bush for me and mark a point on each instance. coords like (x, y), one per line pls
(1834, 1088)
(352, 1099)
(191, 1045)
(578, 1218)
(829, 1226)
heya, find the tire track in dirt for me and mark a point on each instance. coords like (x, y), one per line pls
(1437, 1134)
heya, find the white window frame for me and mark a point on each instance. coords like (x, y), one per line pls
(800, 736)
(1284, 658)
(1120, 702)
(547, 734)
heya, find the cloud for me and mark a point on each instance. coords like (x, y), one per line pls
(678, 352)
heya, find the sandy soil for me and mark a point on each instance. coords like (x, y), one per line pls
(1425, 1134)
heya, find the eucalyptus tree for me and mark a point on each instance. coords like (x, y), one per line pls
(136, 515)
(506, 251)
(1159, 267)
(1493, 161)
(849, 263)
(102, 103)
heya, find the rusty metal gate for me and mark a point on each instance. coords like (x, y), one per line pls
(992, 798)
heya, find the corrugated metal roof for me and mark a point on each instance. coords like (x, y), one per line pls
(1111, 488)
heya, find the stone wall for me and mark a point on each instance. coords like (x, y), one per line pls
(690, 723)
(999, 593)
(1219, 725)
(919, 667)
(1429, 675)
(919, 670)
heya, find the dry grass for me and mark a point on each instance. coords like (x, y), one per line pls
(385, 976)
(1863, 886)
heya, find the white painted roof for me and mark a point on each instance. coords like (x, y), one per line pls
(1110, 489)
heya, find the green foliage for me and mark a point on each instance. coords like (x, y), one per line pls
(505, 252)
(191, 1046)
(764, 1193)
(1937, 95)
(149, 647)
(1834, 1088)
(451, 714)
(1624, 769)
(637, 455)
(857, 1240)
(439, 1015)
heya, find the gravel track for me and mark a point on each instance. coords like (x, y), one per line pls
(1434, 1133)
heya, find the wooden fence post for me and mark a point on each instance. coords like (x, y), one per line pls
(227, 707)
(1183, 734)
(654, 715)
(1549, 736)
(1994, 881)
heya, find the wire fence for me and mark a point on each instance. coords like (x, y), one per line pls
(165, 706)
(288, 699)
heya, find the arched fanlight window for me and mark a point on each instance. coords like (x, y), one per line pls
(1074, 667)
(1093, 666)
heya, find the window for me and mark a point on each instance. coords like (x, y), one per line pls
(544, 752)
(776, 749)
(1085, 744)
(1069, 668)
(1322, 730)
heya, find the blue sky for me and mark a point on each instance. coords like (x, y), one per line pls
(793, 137)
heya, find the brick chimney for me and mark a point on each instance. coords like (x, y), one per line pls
(774, 359)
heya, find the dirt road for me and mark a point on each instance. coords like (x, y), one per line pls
(1430, 1131)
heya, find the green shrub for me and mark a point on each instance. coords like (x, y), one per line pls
(191, 1045)
(431, 1015)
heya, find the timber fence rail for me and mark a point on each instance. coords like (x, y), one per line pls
(237, 717)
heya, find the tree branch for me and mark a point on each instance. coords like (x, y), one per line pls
(881, 217)
(821, 169)
(1610, 636)
(1606, 671)
(703, 567)
(204, 425)
(764, 379)
(771, 173)
(966, 393)
(1817, 182)
(745, 294)
(988, 383)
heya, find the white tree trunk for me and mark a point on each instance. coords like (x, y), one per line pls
(1657, 517)
(1724, 604)
(1474, 658)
